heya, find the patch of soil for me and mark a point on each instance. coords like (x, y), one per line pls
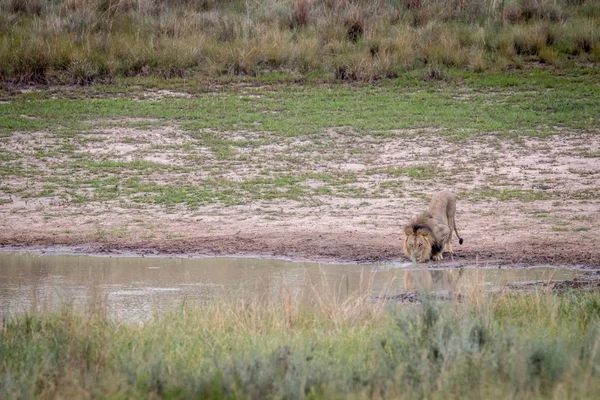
(551, 215)
(560, 286)
(324, 245)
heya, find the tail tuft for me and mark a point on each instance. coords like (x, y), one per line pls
(460, 241)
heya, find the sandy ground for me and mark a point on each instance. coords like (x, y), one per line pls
(526, 201)
(487, 240)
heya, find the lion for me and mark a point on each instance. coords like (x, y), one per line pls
(429, 234)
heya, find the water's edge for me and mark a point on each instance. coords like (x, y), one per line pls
(94, 251)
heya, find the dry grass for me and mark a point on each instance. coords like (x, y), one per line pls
(81, 41)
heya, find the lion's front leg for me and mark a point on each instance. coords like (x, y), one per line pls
(448, 248)
(437, 257)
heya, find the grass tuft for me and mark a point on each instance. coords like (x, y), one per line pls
(301, 13)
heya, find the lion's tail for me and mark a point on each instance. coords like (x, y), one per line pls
(460, 240)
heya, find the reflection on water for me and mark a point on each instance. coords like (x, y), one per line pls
(133, 288)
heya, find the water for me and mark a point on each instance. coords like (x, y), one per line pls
(133, 288)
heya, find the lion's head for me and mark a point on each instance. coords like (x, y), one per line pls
(418, 242)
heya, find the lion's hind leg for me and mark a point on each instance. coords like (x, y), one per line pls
(448, 245)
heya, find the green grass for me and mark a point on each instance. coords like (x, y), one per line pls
(487, 346)
(509, 194)
(581, 229)
(303, 110)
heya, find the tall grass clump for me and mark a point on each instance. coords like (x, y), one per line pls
(539, 345)
(83, 41)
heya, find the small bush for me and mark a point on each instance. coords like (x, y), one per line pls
(116, 6)
(546, 364)
(355, 25)
(501, 63)
(26, 60)
(579, 40)
(435, 72)
(412, 4)
(586, 38)
(528, 40)
(28, 7)
(301, 13)
(512, 13)
(476, 60)
(422, 17)
(443, 46)
(405, 48)
(548, 56)
(589, 9)
(82, 72)
(241, 60)
(224, 28)
(274, 50)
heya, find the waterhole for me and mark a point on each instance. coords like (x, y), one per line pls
(136, 288)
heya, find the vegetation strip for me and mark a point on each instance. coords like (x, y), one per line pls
(87, 41)
(277, 346)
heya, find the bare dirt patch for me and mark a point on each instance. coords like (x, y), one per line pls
(341, 196)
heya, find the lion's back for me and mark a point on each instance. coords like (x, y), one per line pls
(442, 205)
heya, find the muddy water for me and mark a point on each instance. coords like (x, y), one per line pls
(133, 288)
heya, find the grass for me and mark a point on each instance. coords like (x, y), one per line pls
(539, 345)
(509, 194)
(235, 144)
(535, 100)
(91, 41)
(419, 172)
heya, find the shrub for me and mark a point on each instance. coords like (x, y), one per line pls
(476, 60)
(301, 13)
(26, 60)
(28, 7)
(355, 25)
(548, 56)
(442, 45)
(113, 7)
(82, 72)
(241, 60)
(512, 13)
(435, 72)
(528, 40)
(586, 37)
(412, 4)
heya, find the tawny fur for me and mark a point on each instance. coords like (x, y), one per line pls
(429, 234)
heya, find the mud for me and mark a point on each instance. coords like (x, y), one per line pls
(337, 246)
